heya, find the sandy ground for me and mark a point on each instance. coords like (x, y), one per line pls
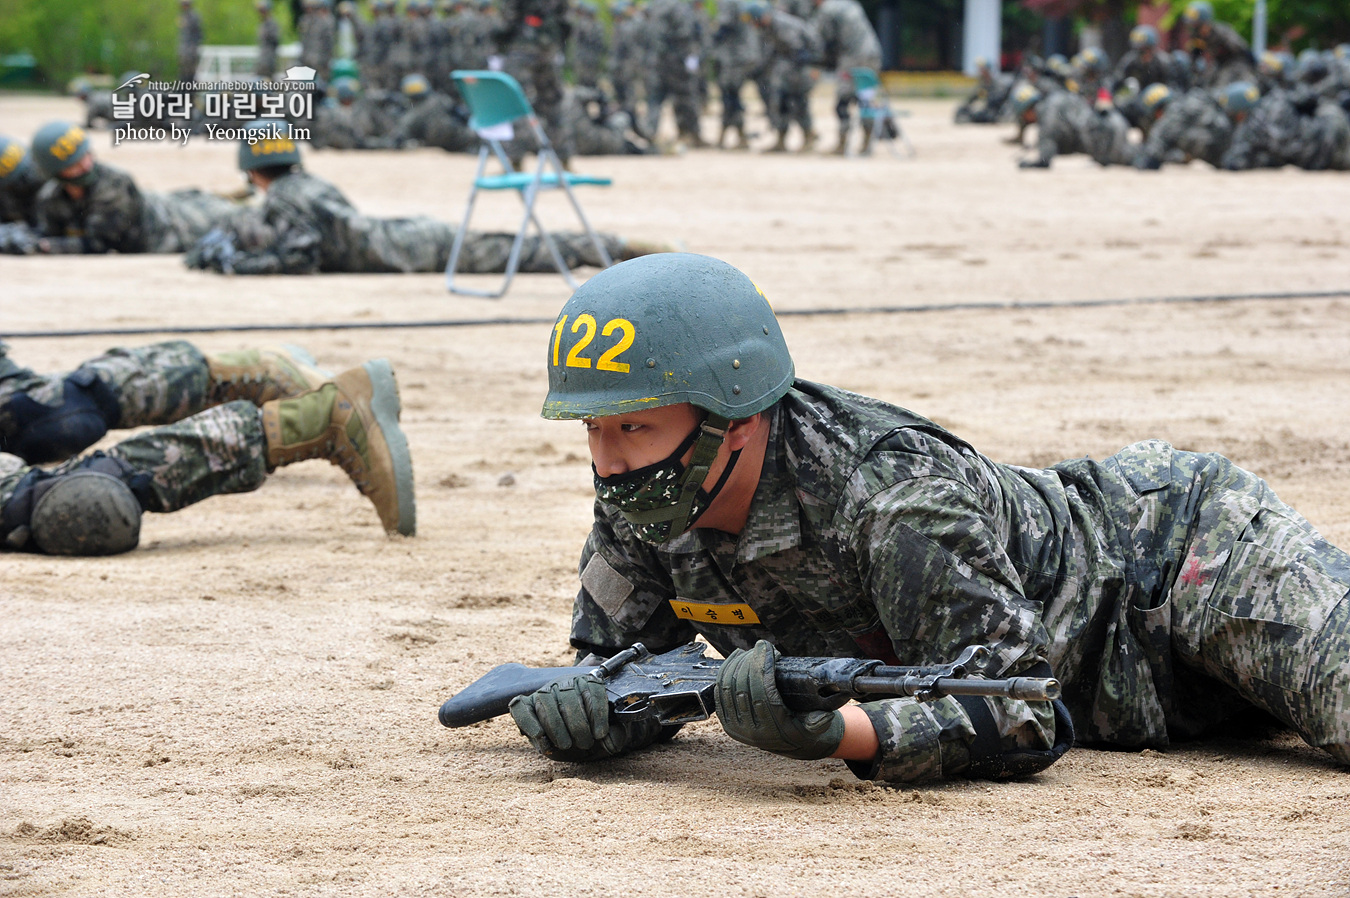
(246, 703)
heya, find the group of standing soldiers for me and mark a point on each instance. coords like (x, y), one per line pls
(662, 52)
(1211, 100)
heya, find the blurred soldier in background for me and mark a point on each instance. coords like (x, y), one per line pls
(846, 41)
(189, 40)
(675, 67)
(792, 52)
(269, 38)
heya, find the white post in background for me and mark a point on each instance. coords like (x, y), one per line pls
(983, 34)
(1259, 29)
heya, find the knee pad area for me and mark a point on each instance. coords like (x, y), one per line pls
(41, 434)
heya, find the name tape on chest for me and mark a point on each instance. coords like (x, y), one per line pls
(735, 615)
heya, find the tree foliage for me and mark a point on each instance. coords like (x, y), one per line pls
(72, 37)
(1301, 23)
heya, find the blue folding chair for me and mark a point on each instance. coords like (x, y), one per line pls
(874, 110)
(496, 104)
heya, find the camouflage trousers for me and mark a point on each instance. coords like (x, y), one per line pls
(670, 80)
(221, 450)
(153, 384)
(536, 65)
(1232, 600)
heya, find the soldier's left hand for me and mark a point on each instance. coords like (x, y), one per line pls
(752, 711)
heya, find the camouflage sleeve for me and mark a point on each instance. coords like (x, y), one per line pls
(115, 220)
(941, 580)
(624, 597)
(1238, 156)
(286, 242)
(1162, 138)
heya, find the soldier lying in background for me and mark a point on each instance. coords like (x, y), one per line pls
(305, 225)
(88, 207)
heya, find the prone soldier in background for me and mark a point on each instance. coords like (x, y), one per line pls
(305, 225)
(86, 206)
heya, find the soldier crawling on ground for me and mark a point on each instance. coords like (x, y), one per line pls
(216, 424)
(1170, 592)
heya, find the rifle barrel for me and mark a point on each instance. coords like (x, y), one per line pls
(1032, 689)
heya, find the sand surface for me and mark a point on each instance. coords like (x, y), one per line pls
(245, 705)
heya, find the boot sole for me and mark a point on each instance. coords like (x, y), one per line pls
(384, 403)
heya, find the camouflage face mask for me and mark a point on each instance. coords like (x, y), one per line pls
(663, 499)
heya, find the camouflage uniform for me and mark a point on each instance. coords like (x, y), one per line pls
(1324, 139)
(221, 450)
(847, 41)
(1226, 55)
(1267, 137)
(384, 34)
(1064, 120)
(19, 190)
(434, 120)
(305, 225)
(791, 49)
(318, 32)
(590, 48)
(269, 38)
(358, 125)
(471, 39)
(114, 215)
(1193, 125)
(533, 34)
(1166, 590)
(986, 104)
(598, 133)
(631, 62)
(673, 74)
(192, 452)
(189, 42)
(736, 53)
(98, 107)
(1108, 137)
(1146, 65)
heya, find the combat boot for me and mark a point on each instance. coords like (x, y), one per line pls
(866, 148)
(352, 421)
(781, 145)
(841, 148)
(741, 143)
(261, 375)
(722, 136)
(808, 141)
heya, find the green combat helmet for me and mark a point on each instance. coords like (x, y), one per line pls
(661, 330)
(1155, 98)
(257, 151)
(1142, 36)
(1199, 12)
(414, 86)
(59, 145)
(1024, 98)
(1239, 97)
(14, 159)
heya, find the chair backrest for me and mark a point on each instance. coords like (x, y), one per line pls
(494, 98)
(864, 79)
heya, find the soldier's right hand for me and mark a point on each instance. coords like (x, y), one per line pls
(568, 720)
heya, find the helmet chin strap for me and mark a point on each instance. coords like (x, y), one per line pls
(711, 433)
(706, 447)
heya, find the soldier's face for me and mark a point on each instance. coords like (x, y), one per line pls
(623, 443)
(71, 172)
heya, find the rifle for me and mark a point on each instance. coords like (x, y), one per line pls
(677, 687)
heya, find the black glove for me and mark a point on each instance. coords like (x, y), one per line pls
(18, 239)
(752, 711)
(214, 251)
(569, 720)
